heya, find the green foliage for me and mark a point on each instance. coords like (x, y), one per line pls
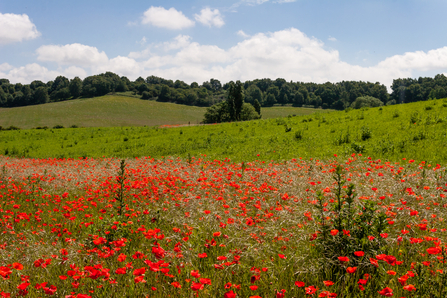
(366, 101)
(346, 227)
(366, 133)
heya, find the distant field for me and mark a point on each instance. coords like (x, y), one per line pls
(115, 110)
(414, 131)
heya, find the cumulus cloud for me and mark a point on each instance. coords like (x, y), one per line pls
(422, 61)
(289, 54)
(330, 38)
(124, 66)
(16, 28)
(210, 17)
(71, 54)
(166, 18)
(30, 72)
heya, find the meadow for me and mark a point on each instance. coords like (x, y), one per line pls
(120, 109)
(417, 130)
(147, 227)
(339, 204)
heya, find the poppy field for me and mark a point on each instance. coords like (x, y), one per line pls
(171, 227)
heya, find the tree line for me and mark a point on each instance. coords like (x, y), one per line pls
(264, 92)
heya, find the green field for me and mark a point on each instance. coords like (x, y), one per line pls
(416, 130)
(114, 111)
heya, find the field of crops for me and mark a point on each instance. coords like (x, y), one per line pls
(351, 227)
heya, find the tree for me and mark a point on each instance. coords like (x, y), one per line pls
(217, 113)
(75, 87)
(298, 99)
(41, 95)
(165, 93)
(59, 83)
(248, 112)
(3, 98)
(215, 85)
(257, 107)
(438, 92)
(253, 93)
(235, 100)
(270, 100)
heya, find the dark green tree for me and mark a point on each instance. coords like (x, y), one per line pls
(75, 87)
(165, 93)
(257, 106)
(235, 100)
(40, 95)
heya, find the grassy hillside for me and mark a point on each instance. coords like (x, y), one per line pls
(116, 110)
(416, 130)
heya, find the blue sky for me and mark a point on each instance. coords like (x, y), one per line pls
(301, 40)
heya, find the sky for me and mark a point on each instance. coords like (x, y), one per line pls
(194, 41)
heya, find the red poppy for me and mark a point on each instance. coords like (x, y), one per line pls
(230, 294)
(17, 266)
(387, 292)
(351, 270)
(410, 288)
(359, 253)
(343, 259)
(196, 286)
(299, 284)
(140, 271)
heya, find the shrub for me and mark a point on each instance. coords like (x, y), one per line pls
(366, 101)
(366, 133)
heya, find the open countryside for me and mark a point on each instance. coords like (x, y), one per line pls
(245, 148)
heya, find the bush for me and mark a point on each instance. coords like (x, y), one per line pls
(366, 133)
(366, 101)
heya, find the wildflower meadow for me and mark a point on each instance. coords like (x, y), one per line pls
(170, 227)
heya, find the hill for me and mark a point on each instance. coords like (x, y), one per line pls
(116, 110)
(415, 130)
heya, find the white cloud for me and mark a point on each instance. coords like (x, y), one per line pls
(163, 18)
(330, 38)
(30, 72)
(432, 60)
(74, 71)
(123, 66)
(242, 34)
(289, 54)
(180, 41)
(210, 17)
(16, 28)
(71, 54)
(5, 67)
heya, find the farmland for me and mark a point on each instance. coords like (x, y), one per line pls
(339, 204)
(417, 130)
(117, 110)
